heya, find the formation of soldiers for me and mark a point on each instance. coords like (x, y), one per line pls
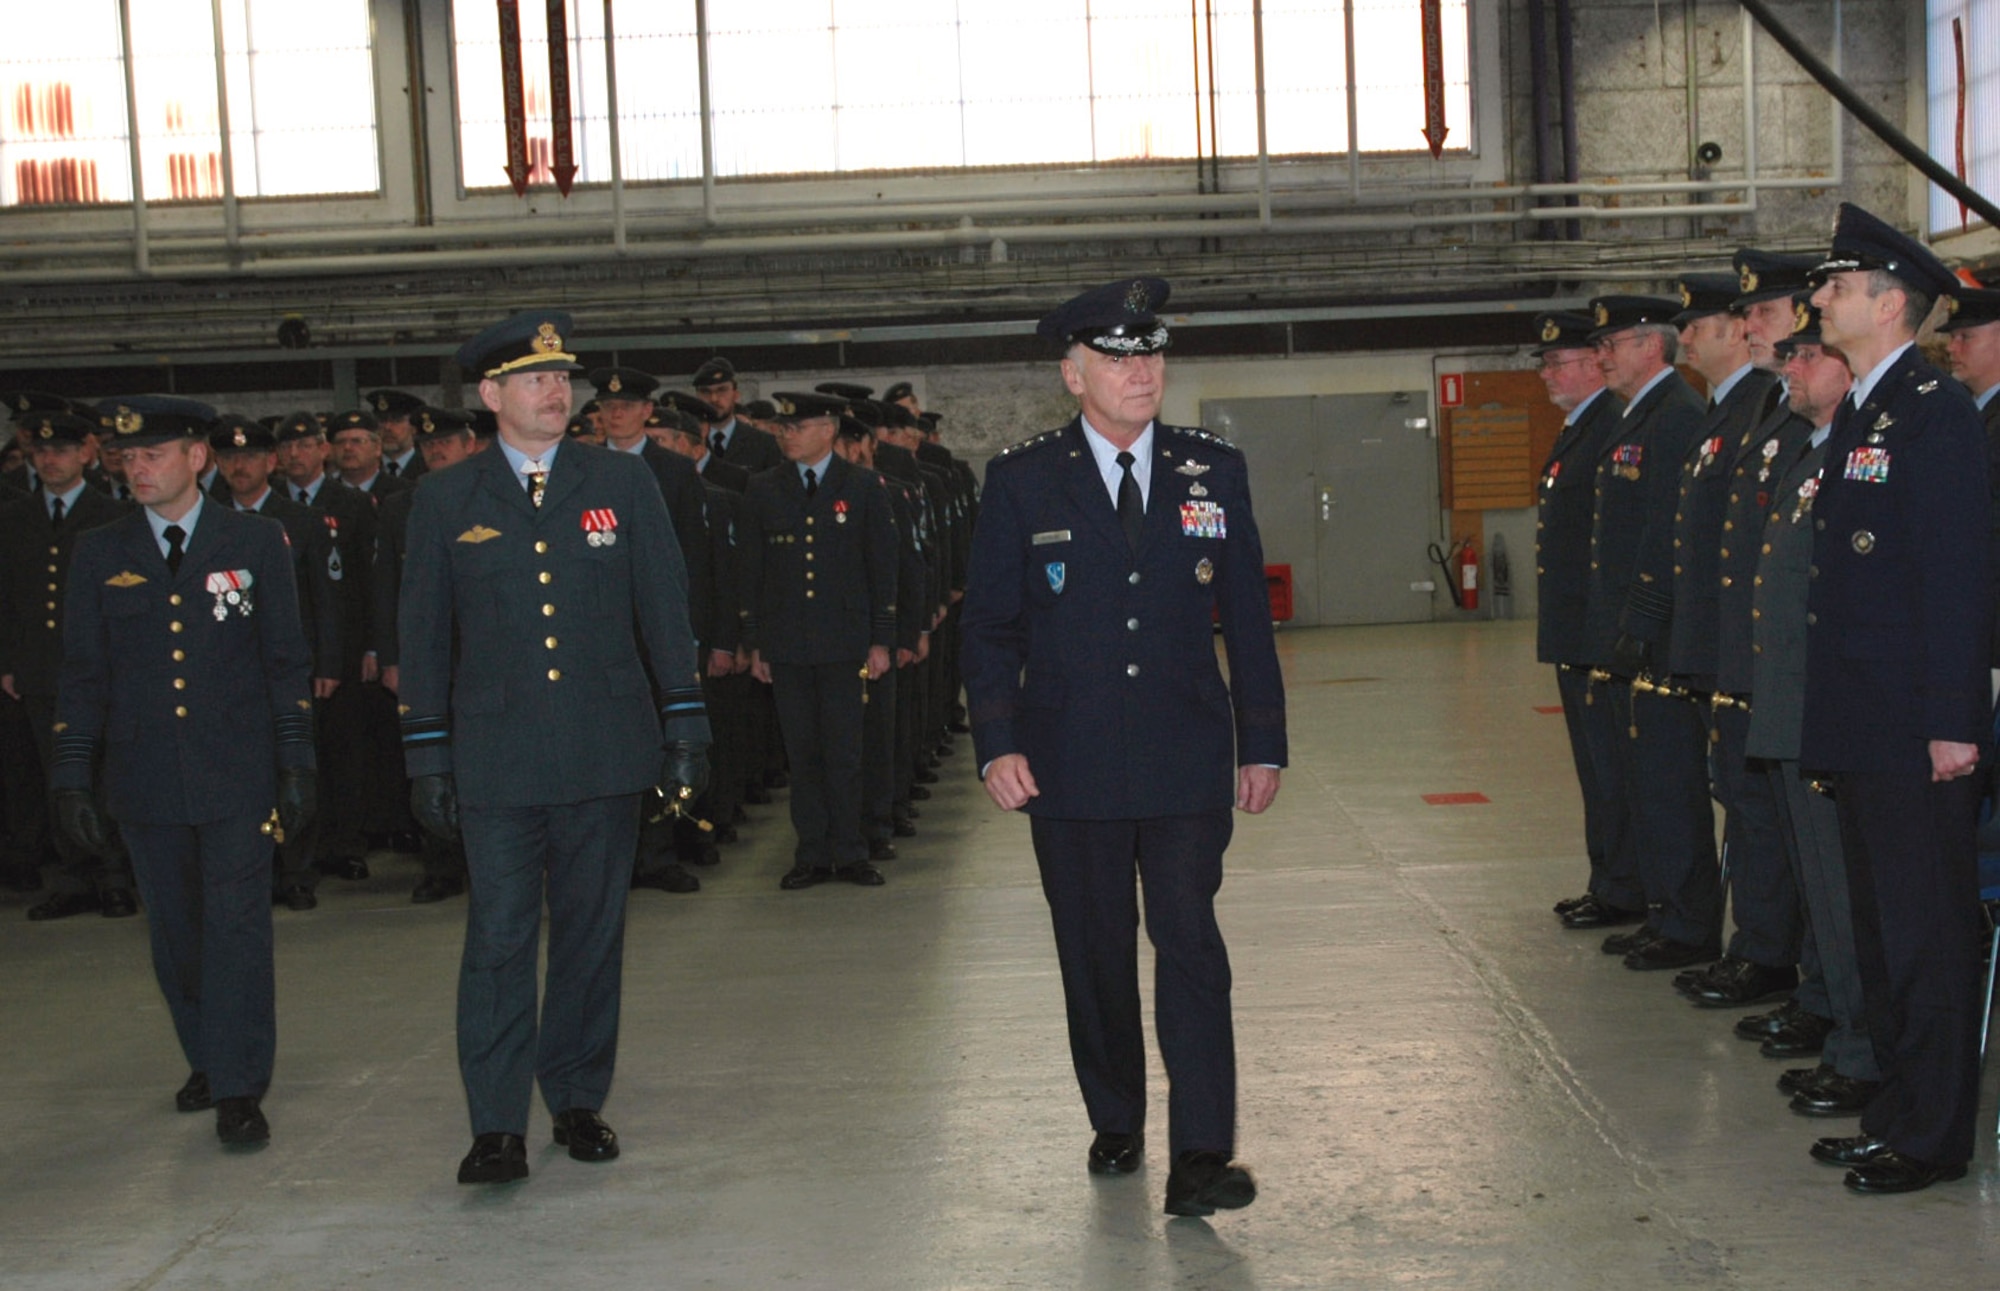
(342, 485)
(1777, 598)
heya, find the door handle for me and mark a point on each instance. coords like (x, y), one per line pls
(1325, 503)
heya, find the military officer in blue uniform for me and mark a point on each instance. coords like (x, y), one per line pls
(1898, 705)
(536, 571)
(1972, 339)
(1568, 364)
(1663, 762)
(1103, 551)
(819, 566)
(185, 664)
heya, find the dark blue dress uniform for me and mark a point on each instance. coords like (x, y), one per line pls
(1564, 505)
(1664, 759)
(196, 686)
(1976, 307)
(1899, 630)
(545, 716)
(819, 591)
(1097, 663)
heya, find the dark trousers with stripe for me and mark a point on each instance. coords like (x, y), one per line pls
(207, 890)
(1607, 827)
(1663, 774)
(1913, 874)
(820, 712)
(1088, 868)
(581, 853)
(878, 757)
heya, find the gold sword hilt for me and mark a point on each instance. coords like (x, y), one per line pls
(272, 829)
(676, 808)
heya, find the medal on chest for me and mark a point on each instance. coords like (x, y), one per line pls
(1203, 520)
(1807, 491)
(231, 589)
(1868, 465)
(1770, 454)
(1625, 460)
(1708, 451)
(600, 527)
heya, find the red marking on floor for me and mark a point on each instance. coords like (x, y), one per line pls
(1548, 708)
(1455, 799)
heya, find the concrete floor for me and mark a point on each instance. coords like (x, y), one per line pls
(870, 1088)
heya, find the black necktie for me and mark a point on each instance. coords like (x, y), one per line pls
(389, 465)
(175, 537)
(305, 497)
(812, 484)
(56, 514)
(1131, 507)
(719, 442)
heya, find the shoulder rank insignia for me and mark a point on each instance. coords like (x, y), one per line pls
(1206, 437)
(1925, 387)
(478, 533)
(125, 578)
(1047, 436)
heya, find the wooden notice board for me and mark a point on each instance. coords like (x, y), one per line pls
(1493, 448)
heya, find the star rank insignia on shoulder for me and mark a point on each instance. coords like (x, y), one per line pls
(1046, 437)
(1203, 436)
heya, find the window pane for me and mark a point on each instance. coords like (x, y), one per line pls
(1389, 76)
(1979, 29)
(62, 132)
(301, 96)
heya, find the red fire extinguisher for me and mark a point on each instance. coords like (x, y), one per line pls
(1468, 575)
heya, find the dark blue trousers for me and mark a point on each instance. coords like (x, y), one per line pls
(1607, 825)
(207, 890)
(1663, 774)
(878, 756)
(1087, 871)
(581, 854)
(1763, 895)
(1913, 873)
(820, 712)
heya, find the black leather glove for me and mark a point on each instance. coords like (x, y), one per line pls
(298, 800)
(1631, 656)
(80, 821)
(686, 767)
(434, 802)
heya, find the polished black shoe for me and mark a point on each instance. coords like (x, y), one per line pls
(1890, 1171)
(1568, 904)
(918, 794)
(118, 903)
(351, 868)
(1856, 1150)
(881, 849)
(62, 905)
(1624, 943)
(861, 874)
(1798, 1039)
(724, 835)
(1664, 952)
(1762, 1026)
(1743, 983)
(1690, 980)
(671, 877)
(904, 828)
(706, 855)
(1116, 1153)
(926, 776)
(1593, 913)
(803, 876)
(1202, 1183)
(495, 1158)
(297, 897)
(586, 1135)
(193, 1095)
(432, 888)
(239, 1122)
(1835, 1095)
(1797, 1080)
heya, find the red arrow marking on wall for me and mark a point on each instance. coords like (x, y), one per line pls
(1434, 127)
(559, 113)
(511, 95)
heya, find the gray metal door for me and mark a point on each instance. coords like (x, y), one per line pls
(1346, 494)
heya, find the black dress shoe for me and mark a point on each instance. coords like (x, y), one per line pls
(1202, 1183)
(351, 868)
(1116, 1153)
(193, 1096)
(671, 877)
(1798, 1039)
(706, 855)
(1664, 952)
(1797, 1080)
(297, 897)
(118, 903)
(1624, 943)
(725, 834)
(431, 888)
(861, 874)
(586, 1135)
(239, 1122)
(803, 876)
(881, 849)
(1835, 1095)
(1568, 904)
(1849, 1151)
(1890, 1171)
(1690, 980)
(62, 905)
(1743, 983)
(904, 828)
(1762, 1026)
(495, 1158)
(1599, 914)
(918, 793)
(926, 776)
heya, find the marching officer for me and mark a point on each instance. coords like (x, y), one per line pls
(38, 535)
(1568, 364)
(1898, 705)
(185, 666)
(1103, 550)
(1663, 762)
(535, 573)
(818, 550)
